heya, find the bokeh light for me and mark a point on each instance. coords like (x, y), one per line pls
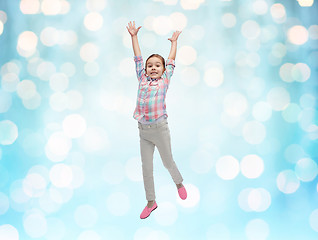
(242, 113)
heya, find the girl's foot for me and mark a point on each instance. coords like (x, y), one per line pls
(150, 204)
(180, 185)
(147, 210)
(182, 191)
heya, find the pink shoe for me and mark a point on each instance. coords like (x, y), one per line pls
(182, 193)
(146, 212)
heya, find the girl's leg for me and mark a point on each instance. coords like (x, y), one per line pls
(163, 143)
(147, 149)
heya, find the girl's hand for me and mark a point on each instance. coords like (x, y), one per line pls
(132, 29)
(175, 36)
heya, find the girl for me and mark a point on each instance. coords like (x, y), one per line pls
(151, 114)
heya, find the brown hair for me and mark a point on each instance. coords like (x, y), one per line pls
(158, 56)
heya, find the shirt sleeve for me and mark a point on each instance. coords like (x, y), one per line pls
(140, 70)
(170, 65)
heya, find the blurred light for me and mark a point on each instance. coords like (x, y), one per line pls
(197, 32)
(86, 216)
(227, 167)
(190, 4)
(313, 32)
(94, 139)
(89, 52)
(260, 7)
(34, 185)
(262, 111)
(285, 72)
(193, 197)
(250, 29)
(254, 132)
(190, 76)
(8, 232)
(306, 3)
(78, 177)
(74, 125)
(27, 43)
(58, 101)
(287, 181)
(26, 89)
(235, 104)
(257, 229)
(95, 5)
(29, 6)
(300, 72)
(297, 35)
(306, 118)
(61, 175)
(4, 200)
(17, 194)
(45, 70)
(5, 101)
(187, 55)
(307, 101)
(278, 98)
(50, 7)
(93, 21)
(1, 28)
(167, 214)
(50, 36)
(294, 152)
(306, 169)
(252, 166)
(10, 82)
(214, 77)
(149, 23)
(229, 20)
(313, 220)
(218, 231)
(259, 199)
(118, 203)
(278, 13)
(59, 82)
(133, 169)
(91, 68)
(9, 132)
(35, 224)
(113, 172)
(32, 103)
(179, 21)
(62, 195)
(162, 25)
(243, 199)
(74, 100)
(3, 17)
(279, 50)
(69, 69)
(89, 234)
(59, 144)
(291, 113)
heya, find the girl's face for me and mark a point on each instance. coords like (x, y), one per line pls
(154, 67)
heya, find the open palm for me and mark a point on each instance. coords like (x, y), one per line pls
(132, 28)
(175, 36)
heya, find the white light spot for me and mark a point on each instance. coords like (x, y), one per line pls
(35, 225)
(306, 169)
(179, 21)
(61, 175)
(259, 199)
(297, 35)
(162, 25)
(229, 20)
(252, 166)
(187, 55)
(93, 21)
(89, 52)
(257, 229)
(291, 113)
(278, 98)
(8, 232)
(260, 7)
(190, 4)
(214, 77)
(27, 43)
(9, 132)
(227, 167)
(34, 185)
(74, 126)
(313, 220)
(26, 89)
(59, 144)
(287, 181)
(235, 104)
(250, 29)
(59, 82)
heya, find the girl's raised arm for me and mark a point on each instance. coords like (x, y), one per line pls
(173, 50)
(133, 31)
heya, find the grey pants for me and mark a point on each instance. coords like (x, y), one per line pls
(151, 135)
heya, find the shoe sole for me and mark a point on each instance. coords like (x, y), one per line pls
(150, 212)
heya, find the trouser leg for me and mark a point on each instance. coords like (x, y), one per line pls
(147, 149)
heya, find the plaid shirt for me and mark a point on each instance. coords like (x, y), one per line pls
(152, 92)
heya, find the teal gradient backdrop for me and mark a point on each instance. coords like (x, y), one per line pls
(242, 108)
